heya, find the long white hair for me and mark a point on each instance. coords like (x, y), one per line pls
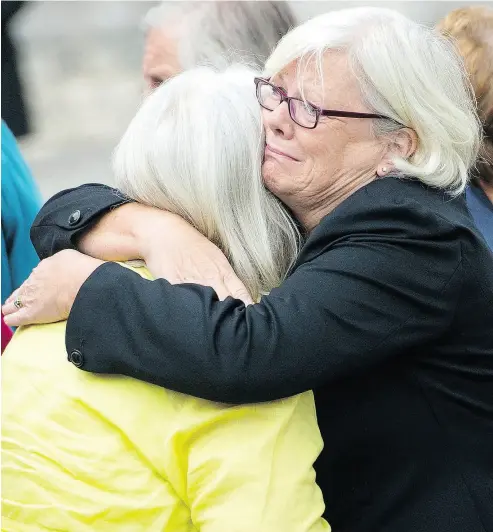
(195, 148)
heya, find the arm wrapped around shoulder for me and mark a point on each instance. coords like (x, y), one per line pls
(377, 277)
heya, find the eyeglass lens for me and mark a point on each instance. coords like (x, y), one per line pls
(301, 112)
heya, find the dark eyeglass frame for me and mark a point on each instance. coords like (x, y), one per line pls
(318, 112)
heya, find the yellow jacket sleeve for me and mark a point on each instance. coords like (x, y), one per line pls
(250, 468)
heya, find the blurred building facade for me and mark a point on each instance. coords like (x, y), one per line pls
(81, 66)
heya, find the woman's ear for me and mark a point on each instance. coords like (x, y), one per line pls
(402, 143)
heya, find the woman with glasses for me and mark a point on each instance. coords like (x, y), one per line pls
(370, 130)
(84, 452)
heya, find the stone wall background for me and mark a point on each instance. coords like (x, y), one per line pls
(80, 62)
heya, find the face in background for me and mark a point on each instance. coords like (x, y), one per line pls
(160, 60)
(319, 163)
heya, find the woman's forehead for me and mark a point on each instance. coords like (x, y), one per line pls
(332, 78)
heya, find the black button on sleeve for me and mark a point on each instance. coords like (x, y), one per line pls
(76, 358)
(74, 217)
(53, 229)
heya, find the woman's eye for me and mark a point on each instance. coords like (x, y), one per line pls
(280, 89)
(310, 109)
(156, 82)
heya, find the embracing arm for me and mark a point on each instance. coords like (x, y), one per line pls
(65, 222)
(99, 221)
(367, 286)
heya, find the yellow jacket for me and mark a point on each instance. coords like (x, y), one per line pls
(84, 452)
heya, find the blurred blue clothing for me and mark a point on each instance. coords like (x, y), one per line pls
(481, 210)
(21, 201)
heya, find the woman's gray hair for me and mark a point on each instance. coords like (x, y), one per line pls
(407, 72)
(195, 148)
(222, 33)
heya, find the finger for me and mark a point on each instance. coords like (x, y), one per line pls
(216, 284)
(243, 295)
(237, 289)
(12, 296)
(21, 317)
(232, 287)
(221, 290)
(9, 307)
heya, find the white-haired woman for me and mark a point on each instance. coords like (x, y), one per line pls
(387, 314)
(185, 34)
(82, 452)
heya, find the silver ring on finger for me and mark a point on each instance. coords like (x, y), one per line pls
(18, 303)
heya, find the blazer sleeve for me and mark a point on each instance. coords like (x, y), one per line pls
(369, 285)
(263, 481)
(68, 214)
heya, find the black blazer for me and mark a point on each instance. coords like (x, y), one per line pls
(387, 316)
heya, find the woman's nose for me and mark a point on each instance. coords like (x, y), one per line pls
(279, 121)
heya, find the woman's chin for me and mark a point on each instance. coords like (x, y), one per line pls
(273, 174)
(271, 178)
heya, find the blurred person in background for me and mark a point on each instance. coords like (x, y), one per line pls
(97, 453)
(181, 35)
(472, 29)
(21, 201)
(14, 110)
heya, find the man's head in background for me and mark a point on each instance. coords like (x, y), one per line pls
(472, 29)
(181, 35)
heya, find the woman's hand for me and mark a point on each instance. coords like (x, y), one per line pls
(171, 248)
(177, 252)
(49, 292)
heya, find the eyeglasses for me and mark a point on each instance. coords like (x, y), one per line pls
(301, 112)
